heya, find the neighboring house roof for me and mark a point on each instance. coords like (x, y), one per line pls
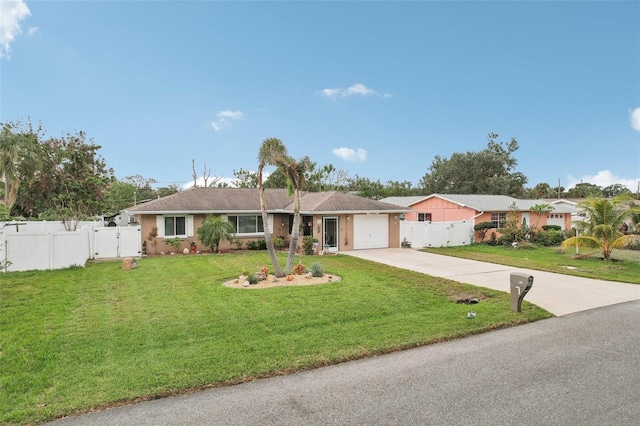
(483, 203)
(407, 201)
(247, 200)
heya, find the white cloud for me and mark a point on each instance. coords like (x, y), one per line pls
(11, 13)
(351, 155)
(224, 119)
(33, 30)
(635, 119)
(357, 89)
(603, 179)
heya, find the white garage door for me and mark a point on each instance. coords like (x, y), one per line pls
(370, 231)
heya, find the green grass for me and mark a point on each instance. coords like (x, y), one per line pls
(87, 338)
(624, 268)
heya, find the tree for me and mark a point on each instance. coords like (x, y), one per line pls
(245, 179)
(271, 152)
(295, 171)
(539, 210)
(490, 171)
(585, 190)
(213, 230)
(70, 181)
(604, 217)
(615, 189)
(18, 141)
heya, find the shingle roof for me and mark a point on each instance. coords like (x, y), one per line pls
(238, 200)
(486, 203)
(493, 203)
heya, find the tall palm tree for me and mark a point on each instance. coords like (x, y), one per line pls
(272, 151)
(295, 172)
(604, 218)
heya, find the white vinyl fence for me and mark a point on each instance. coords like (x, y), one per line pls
(437, 234)
(27, 246)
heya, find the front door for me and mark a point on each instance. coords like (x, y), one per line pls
(330, 236)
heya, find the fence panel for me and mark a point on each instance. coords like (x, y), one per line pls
(436, 234)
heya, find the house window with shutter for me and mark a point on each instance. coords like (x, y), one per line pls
(175, 226)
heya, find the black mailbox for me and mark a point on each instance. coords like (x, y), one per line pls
(520, 285)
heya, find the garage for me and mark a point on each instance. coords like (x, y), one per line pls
(370, 231)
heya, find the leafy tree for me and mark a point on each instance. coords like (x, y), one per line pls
(366, 187)
(70, 182)
(541, 190)
(585, 190)
(245, 179)
(490, 171)
(18, 164)
(215, 229)
(482, 229)
(604, 217)
(271, 152)
(615, 189)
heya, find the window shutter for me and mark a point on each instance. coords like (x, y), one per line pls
(190, 226)
(160, 225)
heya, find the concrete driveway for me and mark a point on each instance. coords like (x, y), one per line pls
(557, 293)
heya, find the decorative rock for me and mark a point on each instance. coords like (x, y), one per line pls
(129, 263)
(185, 251)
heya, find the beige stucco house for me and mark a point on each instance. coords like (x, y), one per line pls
(340, 221)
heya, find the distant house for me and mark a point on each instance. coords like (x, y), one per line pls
(480, 208)
(340, 221)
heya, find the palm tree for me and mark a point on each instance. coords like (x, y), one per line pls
(539, 209)
(272, 151)
(213, 230)
(295, 172)
(604, 218)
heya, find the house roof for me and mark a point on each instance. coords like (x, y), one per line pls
(407, 201)
(247, 200)
(480, 202)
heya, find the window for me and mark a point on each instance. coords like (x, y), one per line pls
(424, 217)
(498, 219)
(175, 226)
(247, 224)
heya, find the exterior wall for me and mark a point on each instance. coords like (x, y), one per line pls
(442, 210)
(394, 231)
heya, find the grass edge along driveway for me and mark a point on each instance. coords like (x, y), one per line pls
(81, 339)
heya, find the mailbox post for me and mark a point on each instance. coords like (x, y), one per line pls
(520, 285)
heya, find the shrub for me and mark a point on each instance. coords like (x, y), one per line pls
(316, 269)
(548, 238)
(238, 244)
(307, 244)
(525, 245)
(278, 243)
(173, 242)
(552, 227)
(257, 245)
(633, 244)
(252, 279)
(299, 269)
(493, 240)
(482, 229)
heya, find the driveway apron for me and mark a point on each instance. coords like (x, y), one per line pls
(557, 293)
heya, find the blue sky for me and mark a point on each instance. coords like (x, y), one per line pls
(374, 88)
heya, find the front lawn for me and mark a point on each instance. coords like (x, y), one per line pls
(624, 268)
(84, 338)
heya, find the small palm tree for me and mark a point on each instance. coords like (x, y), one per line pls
(604, 218)
(213, 230)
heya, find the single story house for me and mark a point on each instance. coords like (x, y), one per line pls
(480, 208)
(340, 221)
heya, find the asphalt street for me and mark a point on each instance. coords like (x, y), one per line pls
(578, 369)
